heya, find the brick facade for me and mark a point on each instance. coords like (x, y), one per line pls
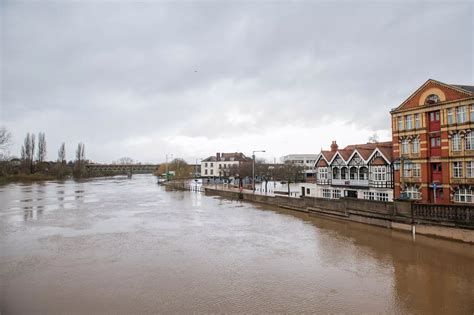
(432, 140)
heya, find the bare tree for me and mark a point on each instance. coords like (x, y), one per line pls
(32, 152)
(263, 171)
(28, 151)
(80, 153)
(80, 157)
(5, 138)
(62, 153)
(179, 167)
(41, 156)
(374, 138)
(289, 172)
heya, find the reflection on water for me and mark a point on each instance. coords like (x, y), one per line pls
(126, 245)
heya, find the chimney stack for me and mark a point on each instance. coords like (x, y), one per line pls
(334, 146)
(218, 156)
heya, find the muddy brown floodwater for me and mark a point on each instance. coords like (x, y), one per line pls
(127, 246)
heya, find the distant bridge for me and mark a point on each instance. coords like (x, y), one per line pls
(122, 169)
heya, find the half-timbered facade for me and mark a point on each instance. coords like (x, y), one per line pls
(359, 171)
(433, 142)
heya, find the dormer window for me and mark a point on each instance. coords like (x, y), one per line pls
(432, 99)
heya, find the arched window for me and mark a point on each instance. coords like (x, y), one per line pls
(432, 99)
(463, 195)
(353, 173)
(344, 173)
(336, 173)
(363, 173)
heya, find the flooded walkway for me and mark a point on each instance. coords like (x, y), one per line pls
(127, 246)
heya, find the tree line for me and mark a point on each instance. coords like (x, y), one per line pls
(33, 163)
(288, 172)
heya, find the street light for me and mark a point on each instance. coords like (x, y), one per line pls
(253, 168)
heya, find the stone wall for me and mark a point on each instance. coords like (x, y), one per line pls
(396, 215)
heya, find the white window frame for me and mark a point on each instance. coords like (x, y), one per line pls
(412, 193)
(379, 173)
(450, 116)
(456, 142)
(323, 173)
(326, 193)
(336, 194)
(406, 169)
(471, 118)
(416, 170)
(464, 195)
(470, 169)
(457, 168)
(400, 123)
(461, 114)
(405, 146)
(415, 146)
(417, 121)
(381, 196)
(369, 195)
(408, 121)
(469, 138)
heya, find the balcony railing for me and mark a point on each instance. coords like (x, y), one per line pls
(380, 184)
(350, 182)
(324, 181)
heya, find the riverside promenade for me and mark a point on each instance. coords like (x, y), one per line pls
(445, 221)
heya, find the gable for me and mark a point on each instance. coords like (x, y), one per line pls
(338, 161)
(444, 93)
(356, 160)
(322, 163)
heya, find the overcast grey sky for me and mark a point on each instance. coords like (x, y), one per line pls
(145, 79)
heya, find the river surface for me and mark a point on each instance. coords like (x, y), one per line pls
(122, 245)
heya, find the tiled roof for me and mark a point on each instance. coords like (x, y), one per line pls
(327, 155)
(469, 88)
(210, 159)
(365, 150)
(235, 156)
(345, 153)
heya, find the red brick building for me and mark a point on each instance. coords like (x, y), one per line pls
(433, 144)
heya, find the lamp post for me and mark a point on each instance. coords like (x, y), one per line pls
(253, 168)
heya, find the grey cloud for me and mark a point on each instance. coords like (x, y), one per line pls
(129, 69)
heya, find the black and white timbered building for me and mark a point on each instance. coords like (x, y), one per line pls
(362, 171)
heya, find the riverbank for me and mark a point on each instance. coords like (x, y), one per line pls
(449, 222)
(25, 178)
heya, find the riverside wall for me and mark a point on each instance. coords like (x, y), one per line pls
(450, 222)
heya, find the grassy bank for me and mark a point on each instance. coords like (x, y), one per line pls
(25, 178)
